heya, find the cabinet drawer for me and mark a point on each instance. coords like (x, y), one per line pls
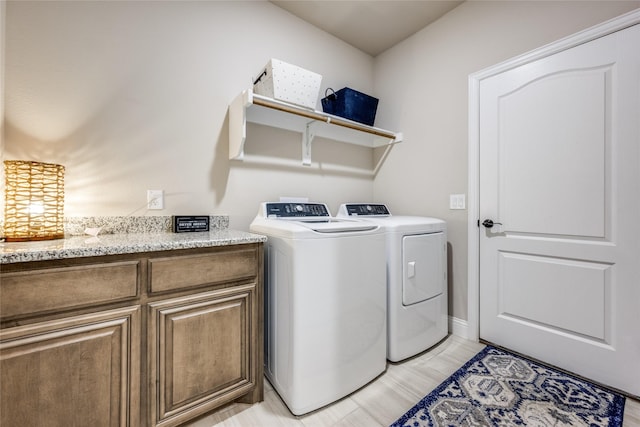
(179, 272)
(36, 291)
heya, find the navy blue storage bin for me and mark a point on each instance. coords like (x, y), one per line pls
(351, 104)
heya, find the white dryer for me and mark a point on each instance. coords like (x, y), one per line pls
(417, 310)
(325, 303)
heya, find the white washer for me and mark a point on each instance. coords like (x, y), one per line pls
(325, 303)
(417, 310)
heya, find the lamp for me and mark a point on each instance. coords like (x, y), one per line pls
(34, 201)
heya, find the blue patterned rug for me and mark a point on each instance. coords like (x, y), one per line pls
(497, 388)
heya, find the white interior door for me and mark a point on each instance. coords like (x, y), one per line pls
(560, 171)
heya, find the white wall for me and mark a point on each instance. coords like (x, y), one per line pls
(132, 95)
(424, 81)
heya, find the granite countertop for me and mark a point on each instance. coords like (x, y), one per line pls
(123, 235)
(113, 244)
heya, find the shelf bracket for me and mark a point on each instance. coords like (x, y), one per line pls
(307, 138)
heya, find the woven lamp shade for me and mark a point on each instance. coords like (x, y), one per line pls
(34, 201)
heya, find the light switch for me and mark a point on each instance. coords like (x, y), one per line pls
(457, 201)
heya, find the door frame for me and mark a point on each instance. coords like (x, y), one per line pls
(473, 215)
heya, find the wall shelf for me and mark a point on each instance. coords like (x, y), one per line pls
(253, 108)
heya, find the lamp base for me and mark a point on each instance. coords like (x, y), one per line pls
(34, 238)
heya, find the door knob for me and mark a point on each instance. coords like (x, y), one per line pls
(489, 223)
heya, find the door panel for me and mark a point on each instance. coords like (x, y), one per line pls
(544, 126)
(423, 262)
(527, 281)
(560, 174)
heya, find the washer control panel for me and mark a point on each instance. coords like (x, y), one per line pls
(295, 210)
(361, 209)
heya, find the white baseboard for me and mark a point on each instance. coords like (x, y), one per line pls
(459, 327)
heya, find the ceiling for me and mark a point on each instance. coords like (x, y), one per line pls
(372, 26)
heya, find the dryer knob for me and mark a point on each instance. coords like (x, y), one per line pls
(299, 208)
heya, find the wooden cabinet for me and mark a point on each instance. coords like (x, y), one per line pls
(205, 348)
(153, 339)
(77, 371)
(200, 352)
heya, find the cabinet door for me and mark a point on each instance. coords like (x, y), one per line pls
(77, 371)
(202, 352)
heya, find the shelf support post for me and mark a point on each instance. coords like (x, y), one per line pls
(307, 138)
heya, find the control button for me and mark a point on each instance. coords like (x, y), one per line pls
(299, 208)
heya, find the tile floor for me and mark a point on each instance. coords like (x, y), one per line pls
(379, 403)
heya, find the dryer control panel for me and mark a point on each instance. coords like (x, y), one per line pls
(296, 210)
(361, 209)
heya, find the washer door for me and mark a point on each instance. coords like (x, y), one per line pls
(424, 267)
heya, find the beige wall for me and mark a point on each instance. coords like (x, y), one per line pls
(2, 38)
(424, 81)
(132, 95)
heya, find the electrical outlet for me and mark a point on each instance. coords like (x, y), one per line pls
(456, 201)
(155, 199)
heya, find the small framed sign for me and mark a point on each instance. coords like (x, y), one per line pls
(188, 224)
